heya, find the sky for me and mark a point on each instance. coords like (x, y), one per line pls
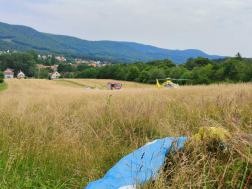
(217, 27)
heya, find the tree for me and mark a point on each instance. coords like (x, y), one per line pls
(207, 71)
(1, 77)
(238, 56)
(82, 67)
(18, 61)
(132, 74)
(34, 54)
(47, 63)
(186, 75)
(201, 61)
(89, 73)
(140, 65)
(53, 59)
(156, 74)
(121, 73)
(177, 72)
(182, 65)
(234, 69)
(144, 77)
(69, 75)
(43, 74)
(103, 73)
(169, 63)
(219, 74)
(50, 70)
(190, 64)
(66, 68)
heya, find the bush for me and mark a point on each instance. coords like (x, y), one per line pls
(1, 77)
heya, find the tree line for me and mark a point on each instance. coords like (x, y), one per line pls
(200, 70)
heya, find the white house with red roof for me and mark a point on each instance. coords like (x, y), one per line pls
(54, 75)
(8, 73)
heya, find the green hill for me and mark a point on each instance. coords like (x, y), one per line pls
(22, 38)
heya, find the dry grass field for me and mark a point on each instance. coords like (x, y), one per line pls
(101, 83)
(56, 134)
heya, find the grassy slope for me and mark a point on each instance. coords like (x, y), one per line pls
(57, 136)
(3, 86)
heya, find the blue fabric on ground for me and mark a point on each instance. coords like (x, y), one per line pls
(139, 166)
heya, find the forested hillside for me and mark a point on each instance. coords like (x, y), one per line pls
(22, 38)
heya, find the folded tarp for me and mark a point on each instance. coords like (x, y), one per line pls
(139, 166)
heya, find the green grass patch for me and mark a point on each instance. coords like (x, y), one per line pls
(3, 86)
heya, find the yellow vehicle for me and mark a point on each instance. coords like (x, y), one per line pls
(168, 83)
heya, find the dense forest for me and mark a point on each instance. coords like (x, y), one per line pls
(200, 70)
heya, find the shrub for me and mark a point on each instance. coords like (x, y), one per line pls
(1, 77)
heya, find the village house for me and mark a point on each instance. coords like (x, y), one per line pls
(8, 73)
(58, 58)
(94, 65)
(20, 75)
(80, 61)
(44, 57)
(55, 66)
(39, 66)
(54, 75)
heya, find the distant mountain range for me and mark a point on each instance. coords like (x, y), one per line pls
(22, 38)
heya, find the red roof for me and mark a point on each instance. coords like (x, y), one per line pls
(12, 73)
(9, 71)
(52, 73)
(40, 65)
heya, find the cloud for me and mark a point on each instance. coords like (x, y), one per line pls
(212, 26)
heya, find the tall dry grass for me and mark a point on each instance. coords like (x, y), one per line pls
(58, 136)
(101, 83)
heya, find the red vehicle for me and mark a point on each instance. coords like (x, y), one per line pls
(114, 86)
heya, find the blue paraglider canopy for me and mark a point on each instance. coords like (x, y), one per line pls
(139, 166)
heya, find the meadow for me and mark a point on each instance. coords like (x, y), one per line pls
(56, 134)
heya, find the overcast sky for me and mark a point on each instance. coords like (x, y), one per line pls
(217, 27)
